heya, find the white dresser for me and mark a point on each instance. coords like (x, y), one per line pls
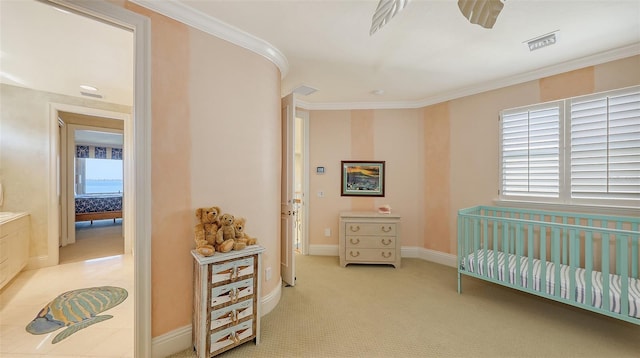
(369, 238)
(226, 302)
(15, 229)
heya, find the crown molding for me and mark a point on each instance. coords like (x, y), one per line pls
(592, 60)
(201, 21)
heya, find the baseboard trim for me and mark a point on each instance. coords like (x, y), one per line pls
(438, 257)
(38, 262)
(323, 250)
(180, 339)
(270, 301)
(171, 342)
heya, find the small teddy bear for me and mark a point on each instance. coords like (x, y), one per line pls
(226, 234)
(206, 229)
(240, 235)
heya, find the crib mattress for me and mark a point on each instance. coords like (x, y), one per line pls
(469, 265)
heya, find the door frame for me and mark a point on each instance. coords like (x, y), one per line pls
(304, 115)
(67, 164)
(139, 158)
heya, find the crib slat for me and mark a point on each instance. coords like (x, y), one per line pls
(518, 255)
(555, 257)
(505, 249)
(622, 242)
(588, 265)
(565, 250)
(543, 260)
(634, 251)
(530, 255)
(574, 247)
(605, 272)
(495, 249)
(484, 247)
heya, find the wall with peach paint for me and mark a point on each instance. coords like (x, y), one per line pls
(393, 136)
(329, 143)
(617, 74)
(209, 148)
(437, 177)
(235, 139)
(458, 152)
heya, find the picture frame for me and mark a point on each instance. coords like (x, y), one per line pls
(362, 178)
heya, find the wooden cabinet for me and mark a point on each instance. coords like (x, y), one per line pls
(369, 238)
(226, 302)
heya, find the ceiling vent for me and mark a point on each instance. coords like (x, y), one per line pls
(542, 41)
(304, 90)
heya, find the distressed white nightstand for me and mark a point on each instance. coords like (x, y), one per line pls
(369, 238)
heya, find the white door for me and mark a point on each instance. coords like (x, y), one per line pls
(287, 209)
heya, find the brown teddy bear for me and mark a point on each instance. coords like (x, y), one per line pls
(240, 235)
(225, 237)
(206, 229)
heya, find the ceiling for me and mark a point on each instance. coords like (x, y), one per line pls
(89, 137)
(427, 53)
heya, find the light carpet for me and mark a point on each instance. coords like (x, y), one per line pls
(415, 311)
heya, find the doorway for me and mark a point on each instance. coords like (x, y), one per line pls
(301, 182)
(138, 140)
(92, 175)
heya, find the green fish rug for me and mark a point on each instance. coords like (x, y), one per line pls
(76, 310)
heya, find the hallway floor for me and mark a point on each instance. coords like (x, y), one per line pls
(23, 298)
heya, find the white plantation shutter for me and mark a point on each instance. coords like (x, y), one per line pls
(605, 147)
(530, 152)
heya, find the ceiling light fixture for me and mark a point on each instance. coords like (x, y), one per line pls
(384, 12)
(542, 41)
(481, 12)
(378, 92)
(304, 90)
(88, 88)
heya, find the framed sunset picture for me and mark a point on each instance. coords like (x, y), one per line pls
(362, 178)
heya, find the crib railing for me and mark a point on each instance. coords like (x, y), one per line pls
(591, 245)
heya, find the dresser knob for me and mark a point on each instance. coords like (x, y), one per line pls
(356, 242)
(386, 241)
(354, 228)
(386, 229)
(387, 255)
(356, 255)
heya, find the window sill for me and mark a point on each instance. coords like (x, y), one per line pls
(578, 208)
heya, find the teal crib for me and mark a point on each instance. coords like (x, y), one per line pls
(588, 261)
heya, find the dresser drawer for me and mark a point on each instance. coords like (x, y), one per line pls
(231, 315)
(371, 242)
(231, 292)
(232, 270)
(231, 336)
(380, 229)
(371, 255)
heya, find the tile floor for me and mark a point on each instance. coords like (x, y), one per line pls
(30, 291)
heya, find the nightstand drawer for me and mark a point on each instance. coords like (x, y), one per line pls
(232, 270)
(231, 315)
(371, 255)
(231, 336)
(380, 229)
(232, 292)
(371, 242)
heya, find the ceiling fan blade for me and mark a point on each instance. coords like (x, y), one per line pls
(385, 11)
(481, 12)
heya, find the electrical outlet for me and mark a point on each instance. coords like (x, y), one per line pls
(267, 274)
(327, 232)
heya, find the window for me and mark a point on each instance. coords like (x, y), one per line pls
(103, 176)
(583, 150)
